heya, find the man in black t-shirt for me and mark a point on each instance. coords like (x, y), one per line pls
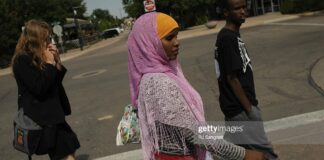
(236, 84)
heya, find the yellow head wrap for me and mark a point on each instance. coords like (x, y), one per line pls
(165, 24)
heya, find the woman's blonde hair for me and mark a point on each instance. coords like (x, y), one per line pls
(33, 41)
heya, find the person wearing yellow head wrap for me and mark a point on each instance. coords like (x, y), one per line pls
(169, 108)
(165, 24)
(167, 30)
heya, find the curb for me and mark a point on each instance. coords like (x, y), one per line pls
(311, 13)
(282, 19)
(291, 17)
(89, 49)
(311, 80)
(5, 71)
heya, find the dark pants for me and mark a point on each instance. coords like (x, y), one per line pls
(253, 135)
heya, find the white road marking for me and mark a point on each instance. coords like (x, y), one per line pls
(281, 19)
(89, 74)
(294, 121)
(297, 24)
(105, 117)
(270, 126)
(296, 137)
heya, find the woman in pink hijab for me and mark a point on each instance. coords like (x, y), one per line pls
(169, 108)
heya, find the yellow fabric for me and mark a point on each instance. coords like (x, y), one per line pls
(165, 24)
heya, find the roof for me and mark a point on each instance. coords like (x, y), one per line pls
(70, 23)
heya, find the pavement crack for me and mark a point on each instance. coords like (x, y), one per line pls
(283, 93)
(311, 80)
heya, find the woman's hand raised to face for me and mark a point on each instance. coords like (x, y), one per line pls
(49, 56)
(53, 49)
(55, 52)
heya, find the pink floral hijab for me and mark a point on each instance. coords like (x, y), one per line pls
(146, 55)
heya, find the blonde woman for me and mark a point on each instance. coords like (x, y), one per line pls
(39, 73)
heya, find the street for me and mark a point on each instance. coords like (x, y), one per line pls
(282, 55)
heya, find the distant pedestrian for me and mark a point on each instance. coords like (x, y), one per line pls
(39, 73)
(169, 108)
(236, 85)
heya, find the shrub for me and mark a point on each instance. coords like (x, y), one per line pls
(298, 6)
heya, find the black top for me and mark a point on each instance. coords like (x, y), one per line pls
(232, 57)
(41, 93)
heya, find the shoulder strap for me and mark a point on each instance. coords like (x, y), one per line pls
(23, 90)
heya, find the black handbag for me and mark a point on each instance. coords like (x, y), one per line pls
(27, 134)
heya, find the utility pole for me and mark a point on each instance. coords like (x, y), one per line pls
(77, 27)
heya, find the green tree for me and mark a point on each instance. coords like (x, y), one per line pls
(134, 8)
(102, 14)
(297, 6)
(186, 12)
(103, 19)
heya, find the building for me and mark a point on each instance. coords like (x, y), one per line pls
(259, 7)
(86, 28)
(86, 32)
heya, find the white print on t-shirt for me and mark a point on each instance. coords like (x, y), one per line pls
(217, 69)
(216, 63)
(244, 55)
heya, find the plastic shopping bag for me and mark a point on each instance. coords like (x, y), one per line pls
(128, 130)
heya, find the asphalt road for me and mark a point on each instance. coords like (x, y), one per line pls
(97, 83)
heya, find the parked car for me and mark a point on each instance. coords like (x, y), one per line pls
(120, 30)
(108, 33)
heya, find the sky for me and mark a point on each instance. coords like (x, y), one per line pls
(115, 7)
